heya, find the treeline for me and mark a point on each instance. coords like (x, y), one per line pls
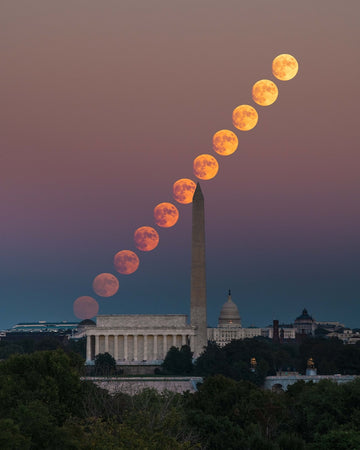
(331, 356)
(45, 405)
(39, 341)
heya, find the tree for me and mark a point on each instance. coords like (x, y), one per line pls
(38, 393)
(178, 362)
(105, 364)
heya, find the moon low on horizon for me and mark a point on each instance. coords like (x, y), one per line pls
(126, 262)
(85, 307)
(105, 285)
(146, 238)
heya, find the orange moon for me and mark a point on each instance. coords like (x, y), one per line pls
(166, 215)
(265, 92)
(285, 67)
(146, 238)
(85, 307)
(105, 285)
(126, 262)
(245, 117)
(183, 190)
(225, 142)
(205, 167)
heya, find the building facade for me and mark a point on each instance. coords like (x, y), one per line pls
(305, 324)
(137, 337)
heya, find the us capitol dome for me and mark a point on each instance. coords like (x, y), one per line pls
(229, 325)
(229, 315)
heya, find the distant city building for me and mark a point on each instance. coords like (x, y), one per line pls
(346, 335)
(329, 326)
(305, 324)
(44, 326)
(286, 332)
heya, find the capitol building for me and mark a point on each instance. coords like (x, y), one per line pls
(229, 326)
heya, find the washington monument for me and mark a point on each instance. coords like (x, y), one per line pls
(198, 274)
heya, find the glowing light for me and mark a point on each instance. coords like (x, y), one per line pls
(225, 142)
(285, 67)
(166, 215)
(126, 262)
(205, 167)
(183, 190)
(85, 307)
(146, 238)
(245, 117)
(105, 285)
(265, 92)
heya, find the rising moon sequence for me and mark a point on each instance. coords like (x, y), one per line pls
(205, 167)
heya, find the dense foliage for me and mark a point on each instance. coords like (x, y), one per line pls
(331, 356)
(178, 362)
(105, 364)
(45, 405)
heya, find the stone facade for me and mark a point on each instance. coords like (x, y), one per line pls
(224, 335)
(282, 382)
(286, 332)
(135, 385)
(137, 337)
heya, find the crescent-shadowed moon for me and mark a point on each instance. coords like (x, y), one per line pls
(205, 167)
(265, 92)
(225, 142)
(105, 285)
(126, 262)
(85, 307)
(146, 238)
(166, 215)
(245, 117)
(285, 67)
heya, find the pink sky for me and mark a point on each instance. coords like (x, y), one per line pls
(105, 104)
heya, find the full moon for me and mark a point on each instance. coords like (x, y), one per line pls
(146, 238)
(225, 142)
(264, 92)
(285, 67)
(85, 307)
(166, 215)
(245, 117)
(105, 285)
(183, 190)
(205, 167)
(126, 262)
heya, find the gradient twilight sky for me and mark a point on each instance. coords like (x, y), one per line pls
(105, 104)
